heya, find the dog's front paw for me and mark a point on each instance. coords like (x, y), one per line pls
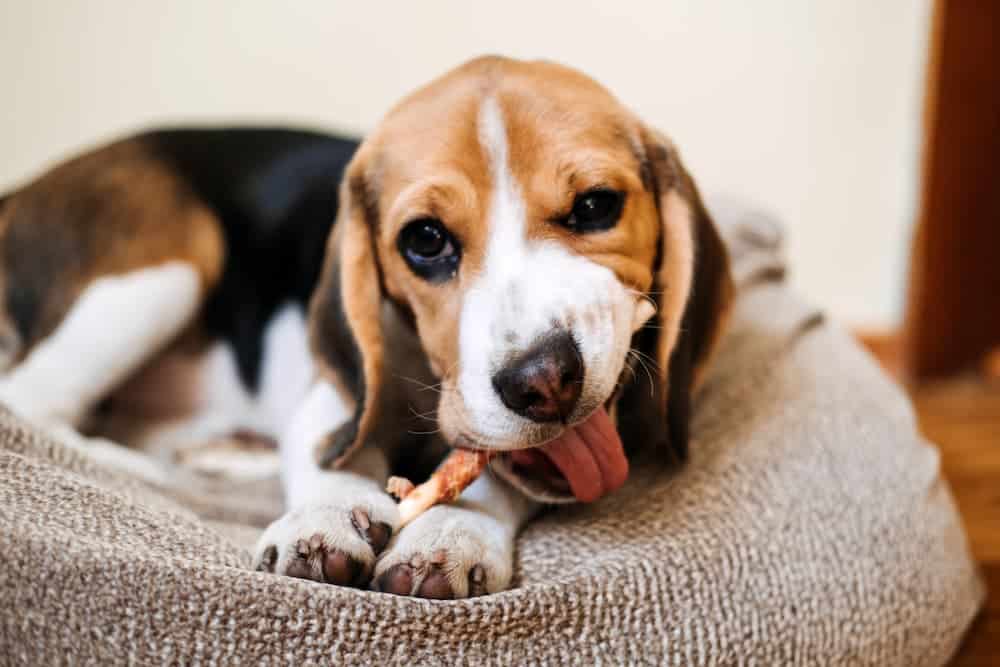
(447, 552)
(329, 543)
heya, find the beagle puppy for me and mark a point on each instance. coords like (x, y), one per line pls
(518, 265)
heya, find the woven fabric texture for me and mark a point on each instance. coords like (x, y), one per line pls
(811, 526)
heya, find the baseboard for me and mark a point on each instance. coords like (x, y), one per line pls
(886, 346)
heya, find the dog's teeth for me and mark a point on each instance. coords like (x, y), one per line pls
(644, 310)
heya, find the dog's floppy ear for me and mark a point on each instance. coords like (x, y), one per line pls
(692, 288)
(344, 314)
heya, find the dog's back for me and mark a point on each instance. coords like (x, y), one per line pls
(271, 192)
(275, 193)
(245, 211)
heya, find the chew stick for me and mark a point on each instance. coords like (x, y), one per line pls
(457, 471)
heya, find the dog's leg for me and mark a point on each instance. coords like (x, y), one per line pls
(336, 522)
(116, 324)
(460, 550)
(112, 455)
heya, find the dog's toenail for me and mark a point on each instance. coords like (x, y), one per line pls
(360, 519)
(375, 534)
(267, 559)
(302, 548)
(477, 581)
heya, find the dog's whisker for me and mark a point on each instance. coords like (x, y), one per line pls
(425, 418)
(423, 385)
(642, 355)
(638, 357)
(648, 296)
(631, 369)
(430, 415)
(649, 373)
(434, 432)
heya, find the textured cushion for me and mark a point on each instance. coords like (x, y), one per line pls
(811, 526)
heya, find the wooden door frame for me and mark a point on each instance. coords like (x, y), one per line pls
(953, 303)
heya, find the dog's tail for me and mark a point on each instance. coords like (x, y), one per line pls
(5, 199)
(10, 338)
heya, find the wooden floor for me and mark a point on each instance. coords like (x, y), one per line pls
(963, 418)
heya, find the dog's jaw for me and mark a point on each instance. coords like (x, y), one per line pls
(538, 490)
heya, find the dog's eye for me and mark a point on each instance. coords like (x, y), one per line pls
(429, 249)
(595, 210)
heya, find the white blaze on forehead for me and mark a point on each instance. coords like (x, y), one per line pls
(506, 244)
(493, 135)
(485, 309)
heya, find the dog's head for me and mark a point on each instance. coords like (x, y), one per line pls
(529, 227)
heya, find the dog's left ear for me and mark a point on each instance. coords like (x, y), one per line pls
(345, 328)
(693, 290)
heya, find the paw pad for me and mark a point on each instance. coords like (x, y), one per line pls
(428, 578)
(416, 579)
(313, 559)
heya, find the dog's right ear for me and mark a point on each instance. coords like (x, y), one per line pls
(344, 314)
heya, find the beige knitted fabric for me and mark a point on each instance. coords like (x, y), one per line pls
(810, 527)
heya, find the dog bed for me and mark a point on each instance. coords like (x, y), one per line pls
(811, 526)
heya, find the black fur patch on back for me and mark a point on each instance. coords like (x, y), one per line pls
(275, 192)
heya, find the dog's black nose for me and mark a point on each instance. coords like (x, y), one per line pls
(543, 383)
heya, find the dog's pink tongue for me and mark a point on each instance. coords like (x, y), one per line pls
(590, 456)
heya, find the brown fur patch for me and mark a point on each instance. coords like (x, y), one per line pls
(107, 212)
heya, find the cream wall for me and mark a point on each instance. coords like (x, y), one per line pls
(809, 107)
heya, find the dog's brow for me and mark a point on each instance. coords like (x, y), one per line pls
(507, 216)
(638, 151)
(493, 136)
(363, 194)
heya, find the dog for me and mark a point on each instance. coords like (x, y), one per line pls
(513, 262)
